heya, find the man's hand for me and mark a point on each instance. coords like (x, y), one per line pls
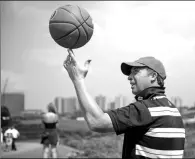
(75, 71)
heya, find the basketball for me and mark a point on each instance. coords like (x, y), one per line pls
(71, 26)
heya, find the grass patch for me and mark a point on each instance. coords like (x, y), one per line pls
(95, 145)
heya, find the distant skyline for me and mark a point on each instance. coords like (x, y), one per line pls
(123, 31)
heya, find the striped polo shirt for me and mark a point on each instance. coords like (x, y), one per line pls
(152, 126)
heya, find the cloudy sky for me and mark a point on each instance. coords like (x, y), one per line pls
(123, 31)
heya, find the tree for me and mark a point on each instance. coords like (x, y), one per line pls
(3, 92)
(5, 116)
(5, 113)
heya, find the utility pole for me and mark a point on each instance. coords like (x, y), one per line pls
(3, 92)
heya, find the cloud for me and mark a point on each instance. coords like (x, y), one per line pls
(33, 11)
(123, 31)
(161, 29)
(175, 17)
(157, 28)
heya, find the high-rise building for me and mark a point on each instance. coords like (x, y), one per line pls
(14, 102)
(120, 101)
(111, 105)
(126, 101)
(58, 102)
(70, 105)
(101, 101)
(66, 104)
(78, 108)
(63, 106)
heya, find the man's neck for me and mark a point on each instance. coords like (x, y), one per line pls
(150, 92)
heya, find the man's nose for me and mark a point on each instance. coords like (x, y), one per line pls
(130, 77)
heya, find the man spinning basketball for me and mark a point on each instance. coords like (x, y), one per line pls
(152, 126)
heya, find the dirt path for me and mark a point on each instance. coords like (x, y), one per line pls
(34, 150)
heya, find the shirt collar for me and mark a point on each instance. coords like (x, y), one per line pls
(150, 92)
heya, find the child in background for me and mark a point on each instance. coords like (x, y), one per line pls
(11, 135)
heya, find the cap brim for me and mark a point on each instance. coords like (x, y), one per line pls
(127, 66)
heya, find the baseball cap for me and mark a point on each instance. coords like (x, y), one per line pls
(147, 61)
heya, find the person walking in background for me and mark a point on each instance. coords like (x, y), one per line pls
(8, 141)
(152, 126)
(5, 119)
(50, 135)
(12, 134)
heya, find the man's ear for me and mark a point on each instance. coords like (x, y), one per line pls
(153, 76)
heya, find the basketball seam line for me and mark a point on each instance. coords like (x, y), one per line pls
(69, 31)
(84, 19)
(73, 15)
(79, 31)
(76, 40)
(53, 15)
(54, 21)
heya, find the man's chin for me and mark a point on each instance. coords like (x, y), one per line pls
(134, 92)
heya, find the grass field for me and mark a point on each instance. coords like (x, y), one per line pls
(74, 134)
(110, 146)
(63, 124)
(190, 143)
(66, 125)
(30, 129)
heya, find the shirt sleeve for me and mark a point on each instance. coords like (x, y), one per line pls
(17, 133)
(133, 115)
(5, 134)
